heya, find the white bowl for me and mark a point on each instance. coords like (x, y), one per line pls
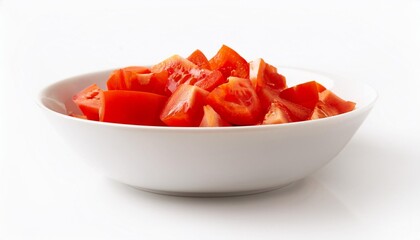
(208, 161)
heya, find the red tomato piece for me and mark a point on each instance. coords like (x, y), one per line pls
(206, 79)
(322, 110)
(121, 77)
(131, 107)
(277, 114)
(147, 82)
(89, 101)
(212, 119)
(236, 102)
(305, 94)
(297, 112)
(335, 102)
(116, 80)
(266, 81)
(184, 107)
(199, 59)
(230, 63)
(182, 71)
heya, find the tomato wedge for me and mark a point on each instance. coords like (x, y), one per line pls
(139, 78)
(236, 102)
(305, 94)
(117, 80)
(199, 59)
(267, 81)
(277, 113)
(131, 107)
(182, 71)
(296, 112)
(212, 119)
(230, 63)
(184, 107)
(89, 101)
(335, 102)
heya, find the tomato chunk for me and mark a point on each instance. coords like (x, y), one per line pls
(277, 113)
(199, 59)
(211, 118)
(236, 102)
(89, 101)
(117, 80)
(335, 102)
(296, 112)
(230, 63)
(182, 71)
(267, 81)
(305, 94)
(131, 107)
(184, 107)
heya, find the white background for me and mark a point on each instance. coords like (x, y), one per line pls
(370, 191)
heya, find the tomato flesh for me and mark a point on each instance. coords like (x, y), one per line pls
(212, 119)
(181, 71)
(184, 107)
(89, 101)
(199, 59)
(230, 63)
(305, 94)
(268, 83)
(131, 107)
(236, 102)
(277, 113)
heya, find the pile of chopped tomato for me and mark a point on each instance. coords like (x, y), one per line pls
(196, 92)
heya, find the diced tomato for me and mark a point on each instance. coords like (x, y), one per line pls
(335, 102)
(322, 110)
(182, 71)
(147, 82)
(131, 107)
(199, 59)
(236, 102)
(305, 94)
(89, 101)
(206, 79)
(184, 107)
(138, 78)
(277, 113)
(296, 112)
(230, 63)
(121, 77)
(211, 118)
(116, 80)
(266, 81)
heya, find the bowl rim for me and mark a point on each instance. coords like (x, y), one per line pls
(358, 110)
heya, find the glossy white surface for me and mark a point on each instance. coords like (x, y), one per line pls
(370, 191)
(207, 161)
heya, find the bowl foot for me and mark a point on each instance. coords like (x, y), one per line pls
(214, 194)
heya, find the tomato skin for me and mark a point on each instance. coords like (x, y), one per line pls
(267, 82)
(184, 107)
(305, 94)
(206, 79)
(230, 63)
(277, 114)
(212, 119)
(131, 107)
(89, 101)
(335, 102)
(199, 59)
(236, 102)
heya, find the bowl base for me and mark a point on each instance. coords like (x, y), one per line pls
(215, 194)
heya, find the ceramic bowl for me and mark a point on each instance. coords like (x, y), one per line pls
(208, 161)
